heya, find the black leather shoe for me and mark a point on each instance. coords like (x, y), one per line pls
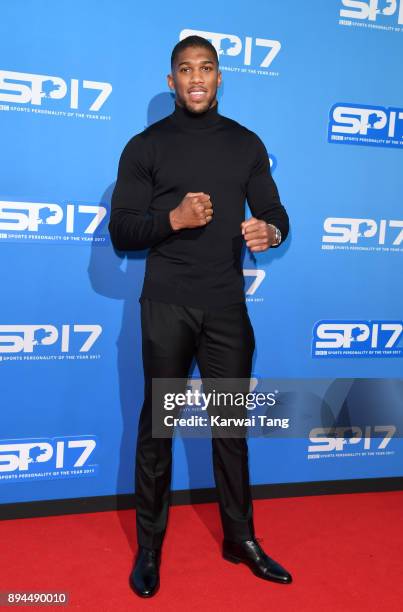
(145, 579)
(252, 554)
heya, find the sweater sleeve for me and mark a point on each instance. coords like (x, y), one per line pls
(262, 193)
(132, 225)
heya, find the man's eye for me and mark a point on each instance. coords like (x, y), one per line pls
(208, 68)
(184, 69)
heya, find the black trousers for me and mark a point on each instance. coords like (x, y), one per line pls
(222, 340)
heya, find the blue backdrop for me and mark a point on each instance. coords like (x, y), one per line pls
(319, 82)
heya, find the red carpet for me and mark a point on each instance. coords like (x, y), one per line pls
(344, 551)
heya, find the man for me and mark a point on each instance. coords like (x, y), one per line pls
(181, 191)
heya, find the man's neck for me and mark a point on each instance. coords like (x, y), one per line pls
(188, 119)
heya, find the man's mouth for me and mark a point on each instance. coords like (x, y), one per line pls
(197, 93)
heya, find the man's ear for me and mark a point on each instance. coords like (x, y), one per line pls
(170, 81)
(219, 79)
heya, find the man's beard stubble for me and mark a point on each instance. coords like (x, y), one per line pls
(198, 110)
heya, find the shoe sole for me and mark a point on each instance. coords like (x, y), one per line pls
(231, 558)
(236, 560)
(144, 595)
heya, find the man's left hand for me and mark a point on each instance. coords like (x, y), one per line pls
(258, 234)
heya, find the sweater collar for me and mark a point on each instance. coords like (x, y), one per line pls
(187, 119)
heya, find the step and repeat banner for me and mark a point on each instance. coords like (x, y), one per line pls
(319, 82)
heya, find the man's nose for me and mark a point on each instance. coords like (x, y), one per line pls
(196, 77)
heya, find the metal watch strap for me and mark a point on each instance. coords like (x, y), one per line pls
(277, 234)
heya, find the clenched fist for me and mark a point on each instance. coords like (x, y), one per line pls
(195, 210)
(258, 234)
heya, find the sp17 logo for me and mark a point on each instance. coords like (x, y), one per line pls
(362, 124)
(347, 230)
(51, 222)
(331, 439)
(47, 458)
(372, 9)
(357, 339)
(37, 338)
(33, 89)
(232, 45)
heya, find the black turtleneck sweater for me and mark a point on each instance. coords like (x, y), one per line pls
(187, 152)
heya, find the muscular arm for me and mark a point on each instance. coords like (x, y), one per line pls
(262, 193)
(132, 226)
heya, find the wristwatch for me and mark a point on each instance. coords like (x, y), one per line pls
(277, 234)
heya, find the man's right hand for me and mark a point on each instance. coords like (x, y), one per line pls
(195, 210)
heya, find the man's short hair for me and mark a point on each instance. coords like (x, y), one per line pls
(192, 41)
